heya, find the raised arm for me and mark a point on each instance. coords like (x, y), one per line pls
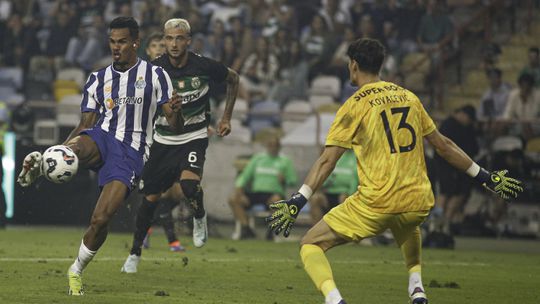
(224, 125)
(496, 181)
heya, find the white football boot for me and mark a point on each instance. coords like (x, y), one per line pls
(130, 266)
(31, 169)
(200, 231)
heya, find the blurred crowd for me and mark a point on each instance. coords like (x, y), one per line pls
(278, 46)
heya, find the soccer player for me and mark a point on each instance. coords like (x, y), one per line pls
(385, 125)
(115, 132)
(177, 158)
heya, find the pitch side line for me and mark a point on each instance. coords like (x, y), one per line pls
(235, 260)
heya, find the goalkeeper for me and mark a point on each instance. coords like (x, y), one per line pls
(385, 125)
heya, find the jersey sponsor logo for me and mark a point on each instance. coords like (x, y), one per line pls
(267, 170)
(190, 97)
(140, 83)
(195, 82)
(111, 103)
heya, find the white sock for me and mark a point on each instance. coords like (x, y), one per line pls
(415, 280)
(84, 257)
(333, 297)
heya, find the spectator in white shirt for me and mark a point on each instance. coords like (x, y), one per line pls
(495, 98)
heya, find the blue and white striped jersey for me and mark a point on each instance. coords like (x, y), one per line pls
(127, 101)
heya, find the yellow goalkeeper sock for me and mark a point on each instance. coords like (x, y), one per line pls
(317, 266)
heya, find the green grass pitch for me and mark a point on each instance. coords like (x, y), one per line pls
(33, 264)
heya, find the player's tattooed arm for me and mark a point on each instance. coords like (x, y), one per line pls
(172, 110)
(224, 125)
(88, 120)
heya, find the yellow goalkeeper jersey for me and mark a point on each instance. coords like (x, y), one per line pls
(385, 124)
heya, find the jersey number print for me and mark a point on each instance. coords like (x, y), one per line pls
(404, 111)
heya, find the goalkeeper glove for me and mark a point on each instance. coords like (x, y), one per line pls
(497, 182)
(285, 214)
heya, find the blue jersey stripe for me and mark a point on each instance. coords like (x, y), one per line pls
(113, 124)
(99, 95)
(130, 108)
(84, 103)
(148, 98)
(164, 86)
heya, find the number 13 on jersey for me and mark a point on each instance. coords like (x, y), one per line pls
(404, 111)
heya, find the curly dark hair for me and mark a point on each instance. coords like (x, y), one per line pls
(126, 22)
(368, 53)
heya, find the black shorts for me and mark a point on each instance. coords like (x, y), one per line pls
(259, 198)
(333, 200)
(166, 162)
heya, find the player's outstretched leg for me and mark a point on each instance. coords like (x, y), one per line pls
(410, 243)
(317, 240)
(145, 214)
(194, 194)
(31, 169)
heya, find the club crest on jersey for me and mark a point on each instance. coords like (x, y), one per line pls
(140, 83)
(181, 84)
(108, 89)
(195, 82)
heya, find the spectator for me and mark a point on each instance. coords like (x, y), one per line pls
(435, 25)
(523, 102)
(88, 46)
(20, 42)
(534, 66)
(454, 186)
(155, 46)
(407, 24)
(316, 44)
(259, 71)
(293, 76)
(336, 18)
(342, 183)
(229, 53)
(61, 33)
(263, 180)
(494, 99)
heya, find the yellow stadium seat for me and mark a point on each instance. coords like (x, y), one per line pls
(62, 88)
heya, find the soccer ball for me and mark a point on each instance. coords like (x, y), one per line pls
(59, 164)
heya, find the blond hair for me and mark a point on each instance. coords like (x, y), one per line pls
(180, 23)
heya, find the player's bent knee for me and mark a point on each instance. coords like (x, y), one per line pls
(99, 222)
(191, 188)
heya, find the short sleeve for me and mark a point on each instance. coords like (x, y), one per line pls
(163, 86)
(345, 125)
(89, 102)
(216, 70)
(427, 123)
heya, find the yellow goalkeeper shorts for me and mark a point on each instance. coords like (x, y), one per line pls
(355, 221)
